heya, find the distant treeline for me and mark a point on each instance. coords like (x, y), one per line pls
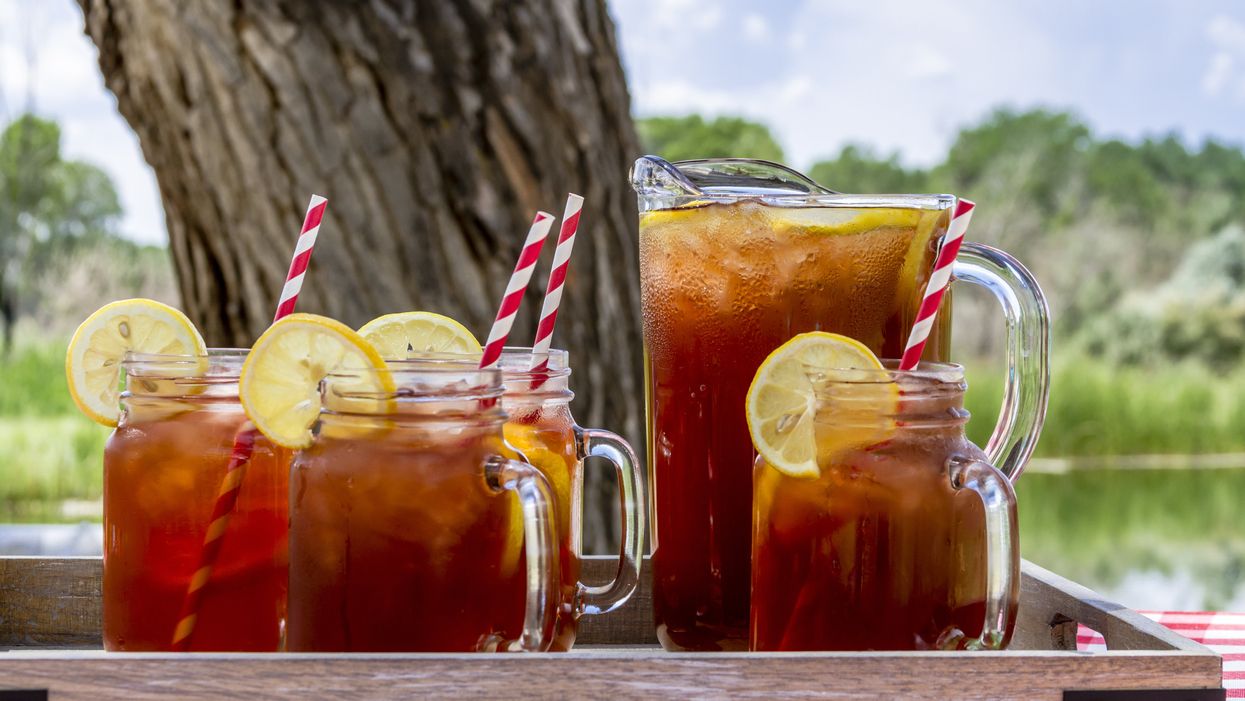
(1138, 245)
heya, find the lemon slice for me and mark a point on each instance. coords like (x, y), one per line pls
(93, 361)
(405, 334)
(837, 221)
(280, 382)
(781, 405)
(553, 466)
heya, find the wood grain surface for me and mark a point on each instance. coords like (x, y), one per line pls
(53, 602)
(614, 673)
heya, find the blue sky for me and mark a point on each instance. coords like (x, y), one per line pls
(820, 73)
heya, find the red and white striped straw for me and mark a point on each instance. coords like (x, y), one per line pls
(937, 286)
(243, 443)
(553, 291)
(513, 296)
(302, 256)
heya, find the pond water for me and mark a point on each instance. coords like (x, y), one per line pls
(1165, 539)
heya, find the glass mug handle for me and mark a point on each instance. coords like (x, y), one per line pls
(596, 443)
(1002, 549)
(541, 544)
(1028, 340)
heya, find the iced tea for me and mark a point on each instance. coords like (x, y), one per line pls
(723, 284)
(399, 539)
(541, 426)
(888, 549)
(545, 434)
(163, 467)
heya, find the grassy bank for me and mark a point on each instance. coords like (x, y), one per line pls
(1097, 409)
(49, 452)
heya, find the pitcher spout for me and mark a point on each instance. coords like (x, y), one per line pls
(664, 185)
(660, 184)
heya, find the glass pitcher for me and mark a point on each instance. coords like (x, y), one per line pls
(403, 534)
(736, 257)
(906, 540)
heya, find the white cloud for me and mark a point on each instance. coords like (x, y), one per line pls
(1225, 74)
(684, 15)
(924, 61)
(1217, 74)
(678, 96)
(756, 28)
(795, 88)
(1227, 32)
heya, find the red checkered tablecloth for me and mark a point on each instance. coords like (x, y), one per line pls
(1222, 632)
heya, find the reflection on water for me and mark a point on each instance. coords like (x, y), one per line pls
(1149, 539)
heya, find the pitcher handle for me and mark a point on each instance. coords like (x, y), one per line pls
(1002, 548)
(596, 443)
(540, 543)
(1028, 340)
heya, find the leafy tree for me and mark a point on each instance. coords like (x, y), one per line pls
(1119, 174)
(1198, 312)
(1036, 154)
(686, 138)
(858, 168)
(48, 207)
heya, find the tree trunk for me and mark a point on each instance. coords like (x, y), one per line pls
(435, 129)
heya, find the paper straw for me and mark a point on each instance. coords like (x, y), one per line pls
(937, 286)
(244, 442)
(302, 256)
(513, 296)
(553, 291)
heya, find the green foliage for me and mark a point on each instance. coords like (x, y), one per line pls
(32, 383)
(858, 168)
(49, 208)
(691, 137)
(49, 452)
(45, 461)
(1098, 408)
(1197, 313)
(30, 153)
(1035, 153)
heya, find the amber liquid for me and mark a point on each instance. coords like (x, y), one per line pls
(397, 543)
(878, 553)
(722, 287)
(546, 437)
(163, 468)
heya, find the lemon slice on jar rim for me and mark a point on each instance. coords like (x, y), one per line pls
(93, 358)
(280, 381)
(782, 404)
(399, 336)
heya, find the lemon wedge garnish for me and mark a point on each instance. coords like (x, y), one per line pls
(93, 361)
(553, 465)
(406, 334)
(280, 382)
(782, 405)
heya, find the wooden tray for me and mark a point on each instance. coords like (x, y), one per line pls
(50, 634)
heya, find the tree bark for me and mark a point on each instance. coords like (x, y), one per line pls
(435, 128)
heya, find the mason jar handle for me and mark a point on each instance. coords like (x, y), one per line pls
(1002, 549)
(1028, 340)
(540, 543)
(596, 443)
